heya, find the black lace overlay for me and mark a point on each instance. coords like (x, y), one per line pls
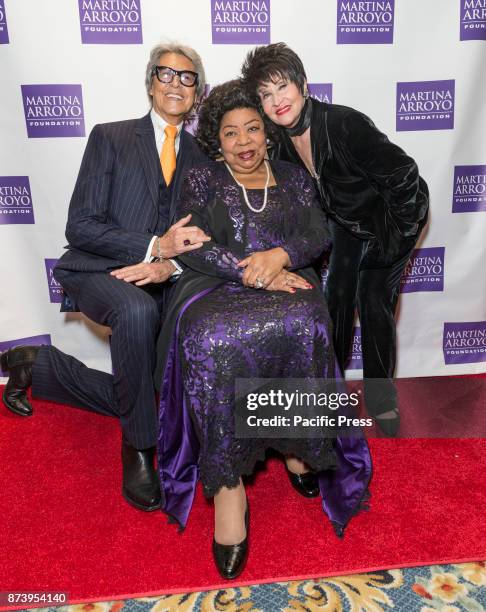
(235, 332)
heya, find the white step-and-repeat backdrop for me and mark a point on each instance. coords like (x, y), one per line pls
(418, 69)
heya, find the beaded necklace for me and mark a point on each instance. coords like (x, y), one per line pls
(245, 195)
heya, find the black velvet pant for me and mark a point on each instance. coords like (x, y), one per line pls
(375, 293)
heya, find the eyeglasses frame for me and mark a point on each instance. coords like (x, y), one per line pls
(179, 73)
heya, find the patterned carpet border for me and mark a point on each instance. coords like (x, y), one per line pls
(448, 588)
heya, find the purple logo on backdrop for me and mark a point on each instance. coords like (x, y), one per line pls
(30, 341)
(469, 189)
(55, 290)
(3, 24)
(53, 110)
(424, 271)
(368, 22)
(425, 105)
(473, 19)
(191, 125)
(356, 358)
(110, 21)
(15, 200)
(321, 91)
(240, 22)
(464, 342)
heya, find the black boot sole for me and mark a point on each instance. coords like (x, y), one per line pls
(12, 408)
(137, 504)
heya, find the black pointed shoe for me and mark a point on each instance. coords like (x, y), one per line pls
(18, 361)
(141, 486)
(306, 484)
(230, 559)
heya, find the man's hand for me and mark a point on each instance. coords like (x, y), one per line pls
(264, 266)
(179, 239)
(145, 273)
(288, 282)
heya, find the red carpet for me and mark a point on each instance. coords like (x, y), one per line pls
(66, 528)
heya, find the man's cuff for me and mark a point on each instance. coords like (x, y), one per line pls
(148, 254)
(178, 269)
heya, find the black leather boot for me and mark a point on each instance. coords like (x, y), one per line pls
(230, 559)
(389, 427)
(18, 361)
(141, 487)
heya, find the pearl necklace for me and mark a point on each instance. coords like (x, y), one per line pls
(245, 195)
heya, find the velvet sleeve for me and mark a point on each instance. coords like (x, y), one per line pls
(212, 258)
(393, 173)
(309, 236)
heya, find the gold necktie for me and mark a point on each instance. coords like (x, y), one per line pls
(168, 153)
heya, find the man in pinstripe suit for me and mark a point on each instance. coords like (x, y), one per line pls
(119, 266)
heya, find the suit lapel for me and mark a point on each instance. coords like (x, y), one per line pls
(148, 156)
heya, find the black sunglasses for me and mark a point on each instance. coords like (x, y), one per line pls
(165, 74)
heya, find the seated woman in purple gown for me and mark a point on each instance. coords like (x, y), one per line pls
(248, 305)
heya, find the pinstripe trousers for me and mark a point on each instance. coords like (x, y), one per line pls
(134, 315)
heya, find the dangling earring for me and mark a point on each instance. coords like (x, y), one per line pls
(268, 147)
(306, 94)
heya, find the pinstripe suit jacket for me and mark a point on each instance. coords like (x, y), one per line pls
(114, 207)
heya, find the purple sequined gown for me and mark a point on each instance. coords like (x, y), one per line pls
(226, 331)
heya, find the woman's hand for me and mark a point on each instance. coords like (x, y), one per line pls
(288, 282)
(145, 273)
(263, 267)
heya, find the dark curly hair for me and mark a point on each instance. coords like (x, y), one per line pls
(271, 62)
(221, 100)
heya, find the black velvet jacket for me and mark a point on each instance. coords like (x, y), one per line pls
(366, 183)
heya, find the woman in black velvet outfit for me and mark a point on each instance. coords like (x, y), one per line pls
(377, 205)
